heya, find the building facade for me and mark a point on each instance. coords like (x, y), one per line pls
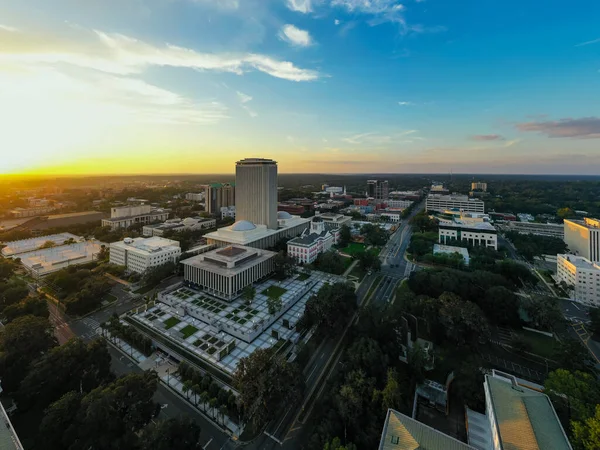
(178, 225)
(480, 234)
(479, 186)
(140, 254)
(31, 211)
(333, 220)
(539, 229)
(126, 216)
(227, 211)
(582, 275)
(306, 248)
(399, 203)
(583, 238)
(256, 181)
(195, 197)
(378, 189)
(225, 272)
(219, 195)
(441, 203)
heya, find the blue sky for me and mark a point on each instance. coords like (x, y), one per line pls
(320, 85)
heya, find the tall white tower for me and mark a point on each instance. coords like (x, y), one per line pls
(256, 191)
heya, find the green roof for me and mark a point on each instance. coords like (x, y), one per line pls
(400, 432)
(525, 418)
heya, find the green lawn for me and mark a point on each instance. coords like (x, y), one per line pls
(188, 331)
(353, 248)
(171, 322)
(274, 291)
(358, 272)
(109, 298)
(540, 345)
(144, 289)
(303, 277)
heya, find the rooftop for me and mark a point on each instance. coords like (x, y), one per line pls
(439, 248)
(308, 239)
(146, 245)
(454, 198)
(50, 260)
(8, 436)
(400, 432)
(580, 262)
(588, 222)
(28, 245)
(525, 418)
(481, 226)
(229, 261)
(75, 214)
(256, 161)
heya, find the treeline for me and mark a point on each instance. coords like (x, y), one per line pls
(130, 335)
(79, 290)
(530, 245)
(15, 300)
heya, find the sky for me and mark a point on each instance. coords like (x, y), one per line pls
(327, 86)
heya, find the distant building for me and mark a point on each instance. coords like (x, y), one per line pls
(390, 216)
(225, 272)
(141, 254)
(41, 223)
(539, 229)
(291, 208)
(583, 237)
(48, 260)
(438, 188)
(333, 220)
(227, 211)
(126, 216)
(33, 211)
(475, 233)
(378, 189)
(401, 432)
(581, 274)
(399, 203)
(450, 249)
(219, 195)
(256, 181)
(195, 197)
(178, 225)
(441, 203)
(306, 248)
(16, 248)
(479, 186)
(524, 217)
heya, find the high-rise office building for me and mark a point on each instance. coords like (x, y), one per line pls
(219, 195)
(256, 182)
(583, 238)
(378, 189)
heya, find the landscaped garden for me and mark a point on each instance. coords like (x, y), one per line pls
(303, 277)
(274, 291)
(188, 331)
(353, 248)
(171, 322)
(242, 314)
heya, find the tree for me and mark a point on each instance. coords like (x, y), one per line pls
(7, 268)
(12, 292)
(266, 384)
(331, 262)
(572, 355)
(595, 320)
(468, 383)
(155, 275)
(213, 402)
(544, 312)
(34, 306)
(586, 434)
(284, 265)
(223, 412)
(500, 306)
(463, 321)
(417, 363)
(565, 213)
(336, 444)
(186, 388)
(58, 429)
(423, 222)
(103, 254)
(204, 398)
(22, 342)
(374, 235)
(181, 433)
(74, 366)
(345, 236)
(48, 244)
(274, 304)
(575, 394)
(369, 260)
(365, 354)
(248, 293)
(330, 308)
(391, 394)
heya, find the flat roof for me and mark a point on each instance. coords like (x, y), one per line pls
(588, 222)
(75, 214)
(28, 245)
(50, 260)
(439, 248)
(153, 212)
(245, 237)
(525, 418)
(146, 245)
(580, 262)
(479, 226)
(217, 261)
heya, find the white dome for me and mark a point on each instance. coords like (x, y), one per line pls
(284, 215)
(243, 225)
(189, 221)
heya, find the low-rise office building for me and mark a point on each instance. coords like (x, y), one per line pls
(441, 203)
(225, 272)
(42, 262)
(539, 229)
(306, 248)
(450, 250)
(334, 220)
(583, 237)
(582, 275)
(32, 211)
(15, 248)
(195, 197)
(126, 216)
(178, 225)
(140, 254)
(399, 203)
(227, 211)
(479, 233)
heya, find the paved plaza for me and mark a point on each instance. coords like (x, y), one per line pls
(222, 333)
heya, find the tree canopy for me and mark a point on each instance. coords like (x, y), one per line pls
(330, 308)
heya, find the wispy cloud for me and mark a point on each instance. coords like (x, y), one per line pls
(406, 103)
(381, 10)
(582, 128)
(226, 4)
(594, 41)
(295, 36)
(373, 138)
(487, 137)
(244, 99)
(124, 55)
(301, 6)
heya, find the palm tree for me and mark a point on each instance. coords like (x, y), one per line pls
(187, 386)
(213, 404)
(204, 398)
(197, 391)
(223, 411)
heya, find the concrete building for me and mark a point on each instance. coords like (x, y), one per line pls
(481, 234)
(291, 208)
(306, 248)
(15, 248)
(256, 181)
(219, 195)
(225, 272)
(401, 432)
(390, 216)
(141, 254)
(583, 238)
(195, 197)
(583, 275)
(399, 203)
(378, 189)
(333, 220)
(539, 229)
(227, 211)
(521, 418)
(46, 261)
(441, 203)
(178, 225)
(479, 186)
(126, 216)
(8, 436)
(450, 249)
(32, 211)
